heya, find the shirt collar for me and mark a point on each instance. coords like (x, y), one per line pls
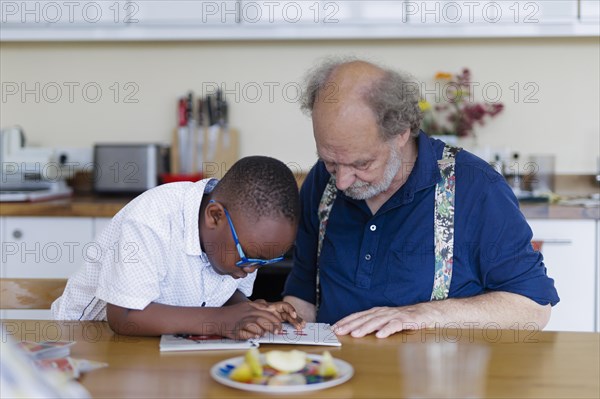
(426, 172)
(191, 209)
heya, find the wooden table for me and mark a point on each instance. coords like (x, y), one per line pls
(523, 364)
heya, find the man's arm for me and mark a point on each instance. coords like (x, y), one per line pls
(494, 309)
(305, 310)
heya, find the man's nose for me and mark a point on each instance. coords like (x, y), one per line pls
(344, 177)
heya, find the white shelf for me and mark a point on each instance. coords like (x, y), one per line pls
(304, 20)
(165, 33)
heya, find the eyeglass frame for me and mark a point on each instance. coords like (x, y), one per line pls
(244, 260)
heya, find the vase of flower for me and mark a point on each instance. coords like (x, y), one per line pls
(454, 115)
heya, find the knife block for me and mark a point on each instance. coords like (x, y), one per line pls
(220, 150)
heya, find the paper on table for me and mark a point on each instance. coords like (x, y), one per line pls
(311, 334)
(46, 349)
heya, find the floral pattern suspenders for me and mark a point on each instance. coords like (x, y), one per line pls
(443, 225)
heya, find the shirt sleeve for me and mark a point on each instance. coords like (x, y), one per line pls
(132, 267)
(246, 284)
(301, 280)
(506, 258)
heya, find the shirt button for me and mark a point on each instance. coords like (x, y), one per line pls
(373, 227)
(368, 257)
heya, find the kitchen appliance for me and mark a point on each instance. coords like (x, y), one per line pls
(29, 173)
(128, 168)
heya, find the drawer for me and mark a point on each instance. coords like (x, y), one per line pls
(45, 247)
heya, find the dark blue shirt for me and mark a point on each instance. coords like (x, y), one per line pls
(387, 259)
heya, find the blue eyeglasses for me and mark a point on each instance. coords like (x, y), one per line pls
(245, 261)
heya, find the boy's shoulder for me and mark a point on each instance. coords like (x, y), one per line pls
(164, 201)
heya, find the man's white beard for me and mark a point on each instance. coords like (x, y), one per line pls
(361, 190)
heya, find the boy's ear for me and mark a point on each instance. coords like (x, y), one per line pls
(213, 214)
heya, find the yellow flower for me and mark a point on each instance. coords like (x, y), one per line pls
(424, 105)
(443, 76)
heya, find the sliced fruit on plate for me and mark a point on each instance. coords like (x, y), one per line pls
(287, 362)
(241, 373)
(327, 367)
(287, 379)
(253, 360)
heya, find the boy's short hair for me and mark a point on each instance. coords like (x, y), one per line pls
(259, 187)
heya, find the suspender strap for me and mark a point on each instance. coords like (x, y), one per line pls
(443, 221)
(327, 200)
(444, 225)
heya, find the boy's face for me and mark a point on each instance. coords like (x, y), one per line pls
(264, 239)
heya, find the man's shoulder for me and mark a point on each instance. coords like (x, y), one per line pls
(316, 180)
(475, 170)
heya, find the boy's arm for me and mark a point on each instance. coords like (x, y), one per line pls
(282, 310)
(237, 297)
(238, 321)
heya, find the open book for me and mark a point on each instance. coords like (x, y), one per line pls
(311, 334)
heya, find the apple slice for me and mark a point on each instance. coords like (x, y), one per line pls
(327, 367)
(253, 360)
(286, 362)
(241, 373)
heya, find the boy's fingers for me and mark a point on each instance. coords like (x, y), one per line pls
(251, 330)
(268, 315)
(286, 307)
(297, 321)
(267, 308)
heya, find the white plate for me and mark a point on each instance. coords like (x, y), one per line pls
(345, 372)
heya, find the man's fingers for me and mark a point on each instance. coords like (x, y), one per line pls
(369, 326)
(349, 326)
(348, 323)
(393, 326)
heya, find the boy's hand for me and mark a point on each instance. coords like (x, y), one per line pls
(283, 310)
(245, 320)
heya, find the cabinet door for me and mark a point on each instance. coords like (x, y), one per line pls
(569, 249)
(44, 247)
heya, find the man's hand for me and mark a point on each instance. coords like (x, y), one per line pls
(247, 320)
(387, 320)
(500, 309)
(283, 310)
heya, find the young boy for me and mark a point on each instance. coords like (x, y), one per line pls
(180, 258)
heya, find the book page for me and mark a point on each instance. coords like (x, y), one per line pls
(311, 334)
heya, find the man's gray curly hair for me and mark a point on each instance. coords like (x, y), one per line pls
(394, 98)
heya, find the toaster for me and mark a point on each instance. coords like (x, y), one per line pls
(128, 168)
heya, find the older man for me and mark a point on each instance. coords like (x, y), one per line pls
(398, 231)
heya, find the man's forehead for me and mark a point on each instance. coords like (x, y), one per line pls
(348, 157)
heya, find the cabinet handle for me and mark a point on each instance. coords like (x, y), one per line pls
(17, 234)
(556, 241)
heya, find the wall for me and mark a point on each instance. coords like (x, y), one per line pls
(564, 121)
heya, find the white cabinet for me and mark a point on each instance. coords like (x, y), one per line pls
(42, 247)
(569, 249)
(99, 225)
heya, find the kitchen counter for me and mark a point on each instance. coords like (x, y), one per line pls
(548, 211)
(107, 206)
(77, 206)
